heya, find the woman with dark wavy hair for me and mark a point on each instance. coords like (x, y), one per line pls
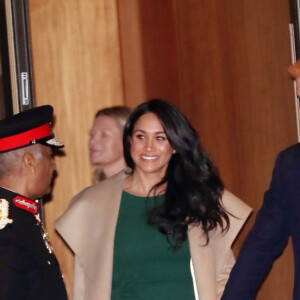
(164, 227)
(190, 183)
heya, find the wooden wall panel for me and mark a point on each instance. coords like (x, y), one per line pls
(131, 52)
(235, 88)
(77, 69)
(228, 74)
(222, 62)
(149, 55)
(160, 59)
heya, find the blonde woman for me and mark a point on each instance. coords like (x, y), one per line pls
(105, 147)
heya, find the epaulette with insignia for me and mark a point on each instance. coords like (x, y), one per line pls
(4, 209)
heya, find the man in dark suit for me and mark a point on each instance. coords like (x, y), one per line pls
(278, 218)
(28, 266)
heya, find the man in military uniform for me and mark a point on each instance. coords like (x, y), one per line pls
(28, 266)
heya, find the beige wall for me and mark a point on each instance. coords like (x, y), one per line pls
(222, 62)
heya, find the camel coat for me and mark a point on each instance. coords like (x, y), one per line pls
(88, 226)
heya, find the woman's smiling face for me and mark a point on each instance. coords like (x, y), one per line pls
(150, 148)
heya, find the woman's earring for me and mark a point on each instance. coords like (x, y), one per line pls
(174, 151)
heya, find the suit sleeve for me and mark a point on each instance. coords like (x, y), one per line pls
(264, 243)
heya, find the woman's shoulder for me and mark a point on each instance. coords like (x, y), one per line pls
(95, 191)
(235, 206)
(238, 212)
(87, 208)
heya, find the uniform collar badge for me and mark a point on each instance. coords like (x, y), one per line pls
(26, 204)
(4, 210)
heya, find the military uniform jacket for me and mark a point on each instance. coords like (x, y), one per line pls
(27, 269)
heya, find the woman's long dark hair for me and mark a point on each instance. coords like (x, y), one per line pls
(194, 189)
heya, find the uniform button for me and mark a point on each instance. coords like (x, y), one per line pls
(48, 262)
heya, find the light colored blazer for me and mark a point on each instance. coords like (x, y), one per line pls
(88, 226)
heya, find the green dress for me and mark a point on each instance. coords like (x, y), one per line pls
(145, 266)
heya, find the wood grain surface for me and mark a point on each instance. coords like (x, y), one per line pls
(224, 63)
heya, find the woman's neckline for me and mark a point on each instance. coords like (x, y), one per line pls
(141, 196)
